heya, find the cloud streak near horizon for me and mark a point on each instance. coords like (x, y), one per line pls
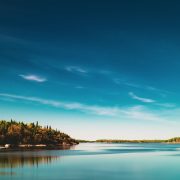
(98, 110)
(132, 112)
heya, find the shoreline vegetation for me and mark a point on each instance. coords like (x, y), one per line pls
(175, 140)
(20, 135)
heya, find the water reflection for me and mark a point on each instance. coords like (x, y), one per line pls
(21, 160)
(94, 161)
(7, 173)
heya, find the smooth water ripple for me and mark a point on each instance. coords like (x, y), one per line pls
(94, 161)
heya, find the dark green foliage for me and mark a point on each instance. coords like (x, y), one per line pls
(15, 133)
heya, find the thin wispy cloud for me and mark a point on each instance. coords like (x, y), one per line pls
(79, 87)
(76, 69)
(161, 92)
(12, 39)
(141, 113)
(145, 100)
(119, 81)
(32, 77)
(98, 110)
(122, 113)
(137, 113)
(166, 105)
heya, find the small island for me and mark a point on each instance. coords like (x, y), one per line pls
(15, 134)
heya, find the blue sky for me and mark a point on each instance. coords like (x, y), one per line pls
(93, 69)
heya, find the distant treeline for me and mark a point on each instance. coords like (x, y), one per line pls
(130, 141)
(17, 133)
(85, 141)
(173, 140)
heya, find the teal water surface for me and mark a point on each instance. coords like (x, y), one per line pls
(94, 161)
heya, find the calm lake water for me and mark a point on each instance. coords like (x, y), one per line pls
(92, 161)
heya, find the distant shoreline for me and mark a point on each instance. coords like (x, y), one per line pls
(69, 146)
(175, 140)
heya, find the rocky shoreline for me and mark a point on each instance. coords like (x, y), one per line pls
(9, 147)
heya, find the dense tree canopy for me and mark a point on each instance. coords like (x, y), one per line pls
(16, 133)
